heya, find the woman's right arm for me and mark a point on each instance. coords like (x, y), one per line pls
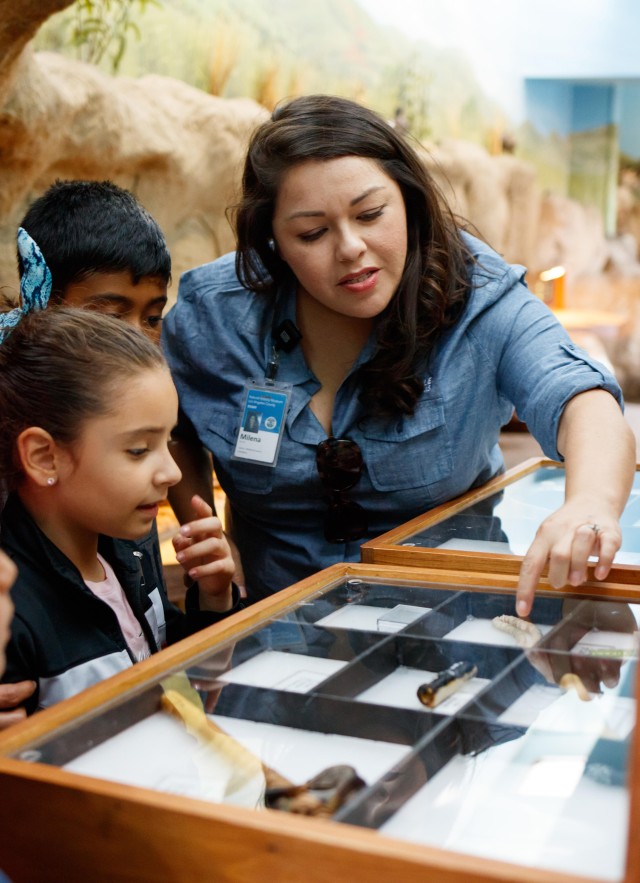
(188, 347)
(194, 461)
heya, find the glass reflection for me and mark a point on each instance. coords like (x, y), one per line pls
(316, 711)
(506, 522)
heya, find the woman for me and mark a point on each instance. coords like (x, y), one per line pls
(417, 342)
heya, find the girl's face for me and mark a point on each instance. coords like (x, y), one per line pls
(341, 226)
(112, 479)
(8, 574)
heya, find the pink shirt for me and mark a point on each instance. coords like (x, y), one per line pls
(111, 592)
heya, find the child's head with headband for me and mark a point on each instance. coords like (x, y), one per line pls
(104, 251)
(60, 368)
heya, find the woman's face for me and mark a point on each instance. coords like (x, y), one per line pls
(340, 225)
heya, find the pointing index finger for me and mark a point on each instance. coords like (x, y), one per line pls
(530, 573)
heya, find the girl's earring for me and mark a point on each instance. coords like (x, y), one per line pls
(51, 480)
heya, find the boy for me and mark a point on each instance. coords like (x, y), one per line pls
(104, 250)
(105, 253)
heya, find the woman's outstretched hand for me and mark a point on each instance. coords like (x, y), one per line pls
(582, 528)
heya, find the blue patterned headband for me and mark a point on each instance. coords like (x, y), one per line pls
(35, 284)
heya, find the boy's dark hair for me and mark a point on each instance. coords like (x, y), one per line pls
(87, 227)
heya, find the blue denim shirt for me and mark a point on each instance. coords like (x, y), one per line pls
(507, 350)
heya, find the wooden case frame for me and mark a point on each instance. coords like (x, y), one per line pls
(57, 825)
(388, 548)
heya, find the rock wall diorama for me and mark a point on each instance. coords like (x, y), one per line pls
(180, 151)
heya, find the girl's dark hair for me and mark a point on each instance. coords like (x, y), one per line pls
(87, 227)
(434, 286)
(59, 368)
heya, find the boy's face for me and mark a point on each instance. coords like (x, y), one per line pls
(116, 295)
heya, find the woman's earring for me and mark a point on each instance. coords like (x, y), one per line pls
(51, 480)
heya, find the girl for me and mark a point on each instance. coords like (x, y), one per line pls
(103, 252)
(88, 407)
(415, 343)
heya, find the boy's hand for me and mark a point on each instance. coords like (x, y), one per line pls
(203, 551)
(12, 697)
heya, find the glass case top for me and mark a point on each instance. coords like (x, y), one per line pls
(506, 522)
(429, 713)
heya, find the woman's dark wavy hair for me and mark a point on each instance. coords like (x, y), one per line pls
(434, 285)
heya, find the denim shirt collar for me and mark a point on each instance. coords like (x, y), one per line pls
(298, 370)
(293, 369)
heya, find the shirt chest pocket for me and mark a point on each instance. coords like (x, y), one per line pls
(415, 452)
(242, 475)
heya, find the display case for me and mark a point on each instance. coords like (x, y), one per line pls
(492, 526)
(369, 723)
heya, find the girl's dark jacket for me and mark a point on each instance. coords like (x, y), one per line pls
(65, 638)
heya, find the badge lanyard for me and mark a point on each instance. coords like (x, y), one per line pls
(265, 405)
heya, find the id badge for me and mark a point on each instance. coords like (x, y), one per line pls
(264, 411)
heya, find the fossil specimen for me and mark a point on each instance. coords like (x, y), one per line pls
(321, 795)
(571, 681)
(446, 683)
(526, 634)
